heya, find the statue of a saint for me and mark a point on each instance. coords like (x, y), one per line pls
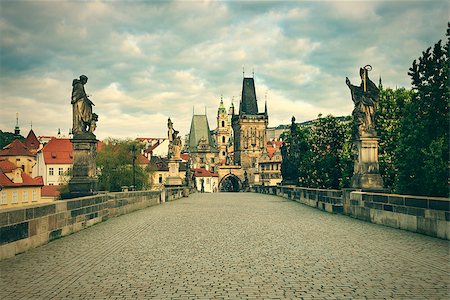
(83, 119)
(174, 142)
(365, 97)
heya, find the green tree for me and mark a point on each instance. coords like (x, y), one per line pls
(7, 137)
(328, 160)
(388, 118)
(423, 152)
(115, 164)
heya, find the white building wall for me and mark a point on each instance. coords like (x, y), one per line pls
(162, 149)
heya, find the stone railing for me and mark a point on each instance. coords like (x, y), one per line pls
(426, 215)
(29, 227)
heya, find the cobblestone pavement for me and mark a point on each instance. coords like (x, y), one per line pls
(232, 246)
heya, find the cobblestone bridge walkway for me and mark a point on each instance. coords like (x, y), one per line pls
(235, 245)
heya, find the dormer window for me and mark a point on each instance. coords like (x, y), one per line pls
(53, 155)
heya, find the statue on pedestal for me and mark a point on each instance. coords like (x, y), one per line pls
(366, 173)
(84, 143)
(84, 121)
(174, 152)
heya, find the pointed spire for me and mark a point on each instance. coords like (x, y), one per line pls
(243, 72)
(17, 129)
(31, 125)
(380, 85)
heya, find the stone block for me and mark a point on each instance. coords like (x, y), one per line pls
(356, 196)
(387, 207)
(16, 216)
(434, 214)
(439, 204)
(42, 225)
(3, 218)
(54, 234)
(427, 226)
(29, 213)
(416, 202)
(22, 245)
(52, 221)
(7, 251)
(380, 198)
(13, 233)
(407, 222)
(419, 212)
(397, 200)
(443, 229)
(44, 210)
(33, 227)
(60, 206)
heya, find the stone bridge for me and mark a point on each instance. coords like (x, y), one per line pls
(231, 246)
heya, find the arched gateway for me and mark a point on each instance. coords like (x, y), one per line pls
(230, 183)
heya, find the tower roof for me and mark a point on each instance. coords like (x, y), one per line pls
(31, 141)
(221, 107)
(248, 105)
(200, 133)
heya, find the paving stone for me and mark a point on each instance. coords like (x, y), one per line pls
(231, 246)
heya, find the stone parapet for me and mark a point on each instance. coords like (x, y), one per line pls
(426, 215)
(28, 227)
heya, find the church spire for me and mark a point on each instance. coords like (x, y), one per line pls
(380, 85)
(17, 129)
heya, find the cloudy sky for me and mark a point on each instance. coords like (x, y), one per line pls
(147, 61)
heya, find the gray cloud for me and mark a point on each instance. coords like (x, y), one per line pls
(147, 61)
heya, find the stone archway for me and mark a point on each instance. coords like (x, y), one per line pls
(230, 183)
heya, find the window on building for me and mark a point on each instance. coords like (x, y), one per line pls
(223, 123)
(60, 171)
(34, 196)
(3, 200)
(23, 168)
(160, 179)
(223, 139)
(271, 167)
(276, 167)
(262, 167)
(212, 159)
(207, 180)
(50, 171)
(15, 198)
(24, 196)
(223, 153)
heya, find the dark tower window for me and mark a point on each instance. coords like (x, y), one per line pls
(223, 138)
(223, 123)
(223, 153)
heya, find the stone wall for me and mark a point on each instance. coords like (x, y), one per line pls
(29, 227)
(426, 215)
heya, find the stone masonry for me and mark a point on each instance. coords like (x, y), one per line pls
(231, 246)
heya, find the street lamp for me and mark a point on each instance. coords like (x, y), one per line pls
(133, 150)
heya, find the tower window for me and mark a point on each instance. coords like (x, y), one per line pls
(223, 139)
(223, 123)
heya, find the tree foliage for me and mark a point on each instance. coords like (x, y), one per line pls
(423, 152)
(388, 118)
(7, 137)
(115, 164)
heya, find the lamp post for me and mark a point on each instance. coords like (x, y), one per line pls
(133, 150)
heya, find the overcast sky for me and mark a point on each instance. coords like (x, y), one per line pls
(147, 61)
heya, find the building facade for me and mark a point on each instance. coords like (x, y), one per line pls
(224, 134)
(270, 164)
(249, 129)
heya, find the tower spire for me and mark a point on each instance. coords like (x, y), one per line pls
(265, 104)
(17, 129)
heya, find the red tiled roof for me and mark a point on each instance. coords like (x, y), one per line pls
(200, 172)
(26, 181)
(142, 160)
(16, 148)
(273, 146)
(32, 142)
(50, 191)
(6, 166)
(184, 156)
(58, 151)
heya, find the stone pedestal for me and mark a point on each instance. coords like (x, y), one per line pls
(84, 179)
(174, 178)
(366, 174)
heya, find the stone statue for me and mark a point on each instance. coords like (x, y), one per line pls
(83, 118)
(365, 97)
(174, 142)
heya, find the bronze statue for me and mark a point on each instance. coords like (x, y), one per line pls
(83, 118)
(365, 97)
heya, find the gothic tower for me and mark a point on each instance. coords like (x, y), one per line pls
(249, 128)
(223, 133)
